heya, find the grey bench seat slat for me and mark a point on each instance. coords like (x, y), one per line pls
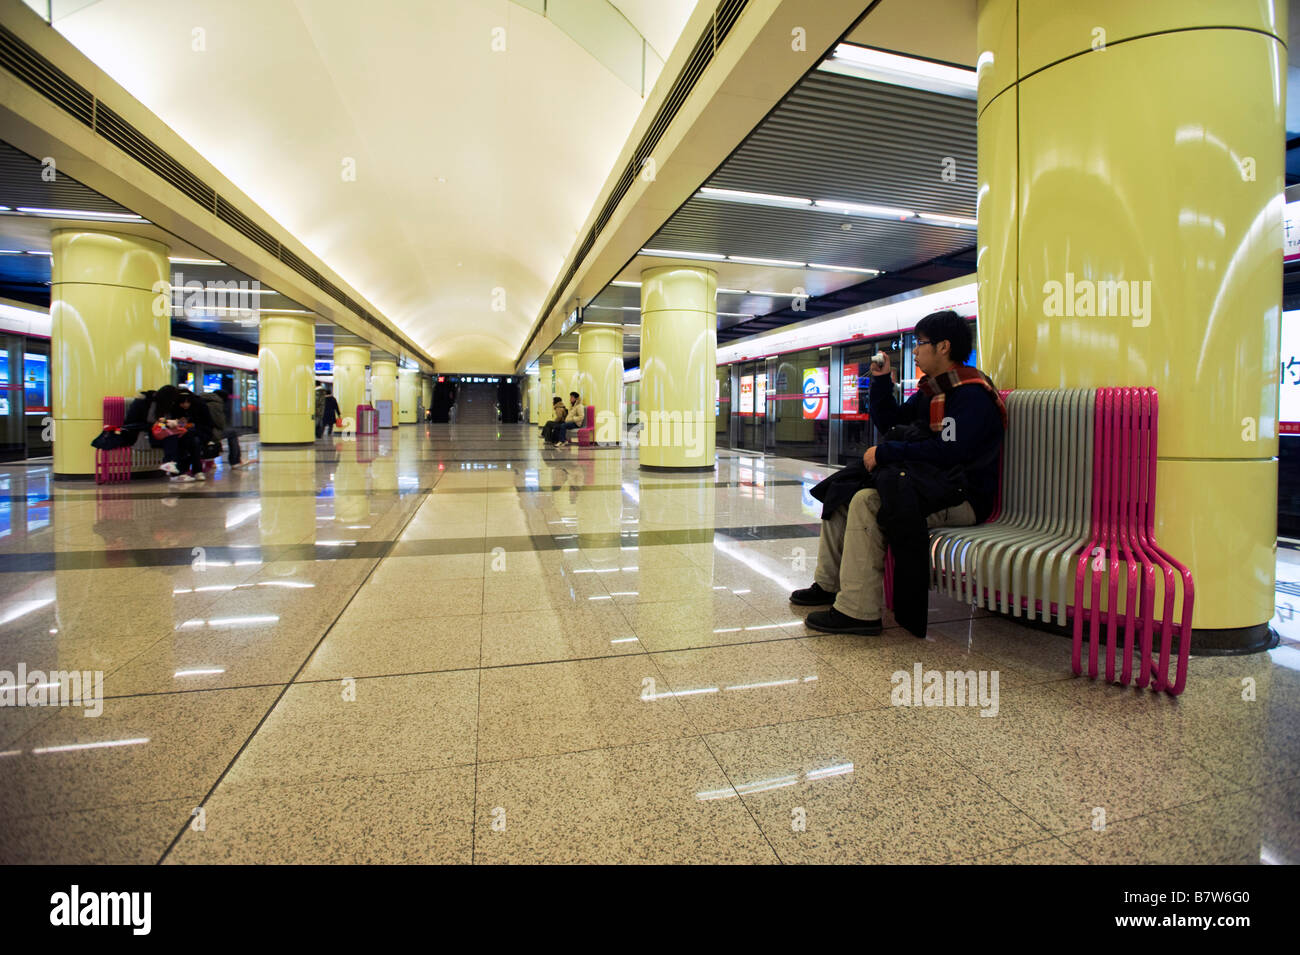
(1027, 553)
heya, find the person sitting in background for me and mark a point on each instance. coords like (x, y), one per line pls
(175, 434)
(558, 414)
(192, 411)
(576, 418)
(216, 406)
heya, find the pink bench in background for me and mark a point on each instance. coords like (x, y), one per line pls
(587, 433)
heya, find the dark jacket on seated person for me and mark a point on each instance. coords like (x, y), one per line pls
(975, 436)
(976, 432)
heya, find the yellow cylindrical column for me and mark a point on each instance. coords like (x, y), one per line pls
(1146, 205)
(566, 374)
(286, 366)
(679, 340)
(408, 387)
(535, 402)
(383, 384)
(350, 378)
(600, 372)
(110, 312)
(426, 391)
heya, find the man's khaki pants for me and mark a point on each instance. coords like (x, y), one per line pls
(851, 554)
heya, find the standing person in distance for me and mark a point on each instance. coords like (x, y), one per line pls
(330, 412)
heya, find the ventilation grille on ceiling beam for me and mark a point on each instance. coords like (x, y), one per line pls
(73, 98)
(138, 146)
(705, 49)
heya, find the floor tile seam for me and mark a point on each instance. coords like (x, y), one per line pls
(473, 803)
(745, 643)
(1238, 788)
(1032, 842)
(1001, 795)
(197, 689)
(54, 711)
(600, 748)
(758, 825)
(235, 787)
(1109, 819)
(99, 807)
(274, 703)
(1157, 811)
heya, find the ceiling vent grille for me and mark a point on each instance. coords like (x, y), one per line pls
(73, 98)
(246, 226)
(140, 148)
(702, 54)
(47, 79)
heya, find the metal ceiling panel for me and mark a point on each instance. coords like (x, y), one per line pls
(805, 235)
(25, 183)
(840, 137)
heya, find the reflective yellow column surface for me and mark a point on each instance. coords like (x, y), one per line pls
(1129, 234)
(110, 312)
(600, 363)
(350, 377)
(286, 361)
(566, 375)
(679, 337)
(408, 387)
(383, 384)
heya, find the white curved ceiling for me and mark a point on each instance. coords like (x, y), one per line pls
(474, 168)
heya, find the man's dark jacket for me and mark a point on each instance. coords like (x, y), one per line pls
(918, 473)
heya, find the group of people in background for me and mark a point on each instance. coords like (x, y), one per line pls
(563, 420)
(189, 429)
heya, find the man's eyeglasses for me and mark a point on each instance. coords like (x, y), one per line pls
(922, 341)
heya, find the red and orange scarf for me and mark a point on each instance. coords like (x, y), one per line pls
(940, 386)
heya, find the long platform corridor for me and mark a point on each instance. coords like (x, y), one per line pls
(451, 644)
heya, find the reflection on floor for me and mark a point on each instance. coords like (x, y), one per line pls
(450, 644)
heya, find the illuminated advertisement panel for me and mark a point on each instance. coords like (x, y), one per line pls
(816, 393)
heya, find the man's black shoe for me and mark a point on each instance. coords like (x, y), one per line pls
(832, 621)
(812, 596)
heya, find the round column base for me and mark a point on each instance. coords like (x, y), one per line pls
(685, 469)
(1233, 641)
(1227, 642)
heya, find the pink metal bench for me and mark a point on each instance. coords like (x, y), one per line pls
(587, 433)
(116, 466)
(1077, 501)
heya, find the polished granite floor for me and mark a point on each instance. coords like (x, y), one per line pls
(449, 644)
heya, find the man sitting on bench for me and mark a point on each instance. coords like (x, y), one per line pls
(937, 465)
